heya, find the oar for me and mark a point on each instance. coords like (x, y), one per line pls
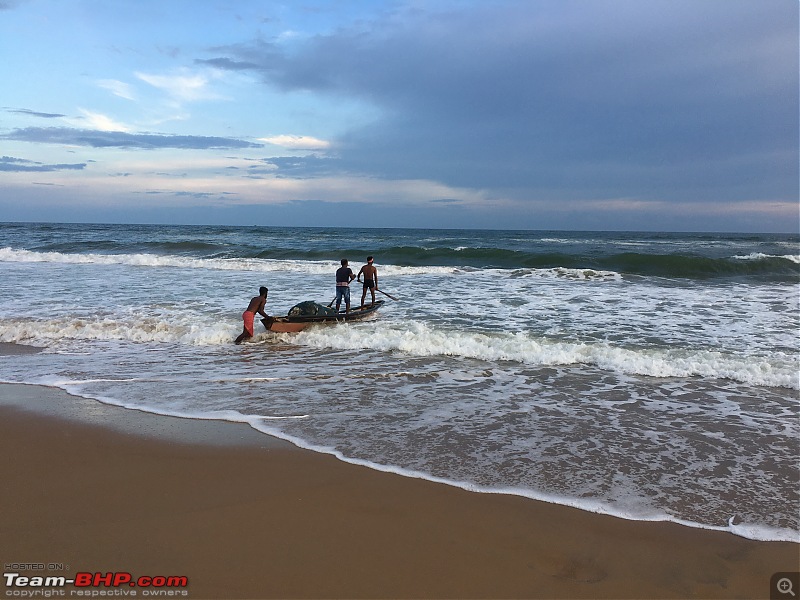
(385, 294)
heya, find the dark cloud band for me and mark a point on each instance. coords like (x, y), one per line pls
(33, 113)
(9, 164)
(119, 139)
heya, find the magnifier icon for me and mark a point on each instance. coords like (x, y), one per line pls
(784, 586)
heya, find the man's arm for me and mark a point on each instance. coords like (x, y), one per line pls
(359, 274)
(261, 307)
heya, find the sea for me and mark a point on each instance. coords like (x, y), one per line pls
(650, 376)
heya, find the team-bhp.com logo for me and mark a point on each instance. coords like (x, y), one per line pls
(95, 585)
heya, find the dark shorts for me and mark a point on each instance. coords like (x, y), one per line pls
(369, 284)
(342, 291)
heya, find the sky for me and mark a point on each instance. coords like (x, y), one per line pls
(647, 115)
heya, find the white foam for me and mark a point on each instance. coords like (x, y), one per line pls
(795, 258)
(233, 416)
(565, 273)
(420, 339)
(98, 328)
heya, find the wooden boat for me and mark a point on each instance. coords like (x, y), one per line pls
(289, 324)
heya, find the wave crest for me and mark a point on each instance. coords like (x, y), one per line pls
(421, 340)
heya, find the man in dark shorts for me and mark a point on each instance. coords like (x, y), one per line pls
(256, 305)
(344, 276)
(370, 280)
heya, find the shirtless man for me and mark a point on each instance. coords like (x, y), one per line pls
(256, 306)
(370, 280)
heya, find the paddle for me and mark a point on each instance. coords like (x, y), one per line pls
(385, 294)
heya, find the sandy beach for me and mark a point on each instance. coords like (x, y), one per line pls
(244, 516)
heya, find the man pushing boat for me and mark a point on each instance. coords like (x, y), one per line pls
(256, 305)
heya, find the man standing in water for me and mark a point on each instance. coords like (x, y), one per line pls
(256, 306)
(344, 276)
(370, 280)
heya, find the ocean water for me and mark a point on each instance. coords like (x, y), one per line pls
(652, 376)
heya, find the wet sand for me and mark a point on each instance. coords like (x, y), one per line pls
(10, 349)
(101, 488)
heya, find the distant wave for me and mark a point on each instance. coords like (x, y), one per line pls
(700, 267)
(262, 265)
(112, 246)
(412, 260)
(630, 263)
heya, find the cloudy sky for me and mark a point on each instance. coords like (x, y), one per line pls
(531, 114)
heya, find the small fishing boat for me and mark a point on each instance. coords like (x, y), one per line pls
(292, 323)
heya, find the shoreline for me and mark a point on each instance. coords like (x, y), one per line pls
(213, 431)
(113, 489)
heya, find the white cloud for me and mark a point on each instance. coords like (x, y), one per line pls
(100, 122)
(181, 87)
(297, 142)
(118, 88)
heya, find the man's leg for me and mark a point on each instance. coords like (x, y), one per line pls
(247, 332)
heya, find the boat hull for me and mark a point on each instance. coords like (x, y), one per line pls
(289, 324)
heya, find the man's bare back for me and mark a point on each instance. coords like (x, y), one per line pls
(370, 274)
(257, 305)
(369, 271)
